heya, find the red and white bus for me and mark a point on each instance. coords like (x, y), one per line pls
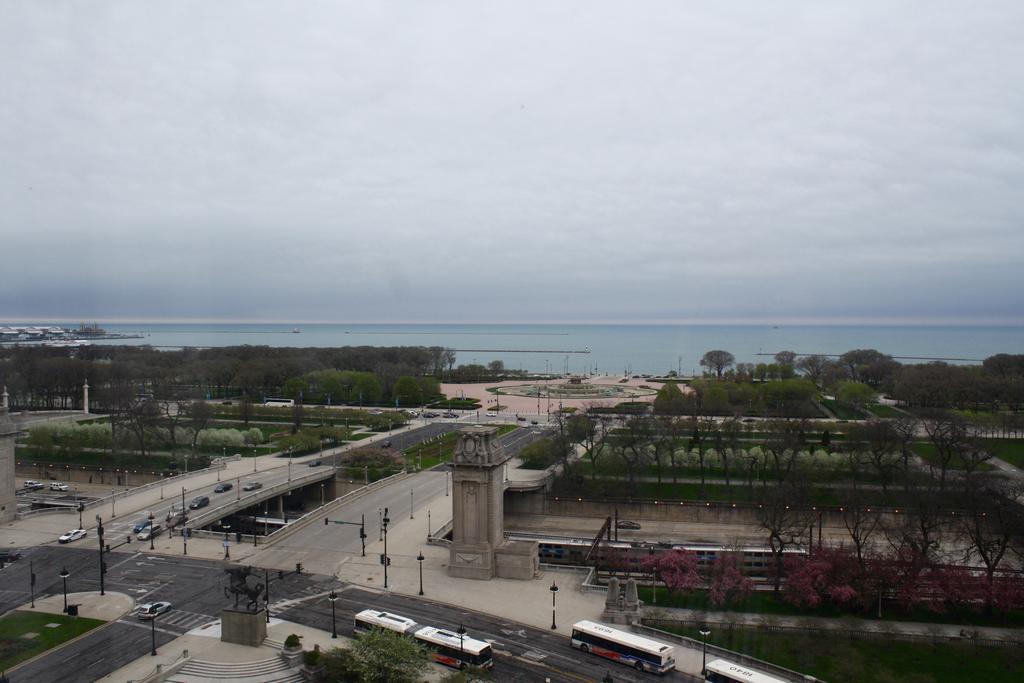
(643, 654)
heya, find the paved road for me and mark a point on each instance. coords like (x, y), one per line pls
(522, 653)
(196, 589)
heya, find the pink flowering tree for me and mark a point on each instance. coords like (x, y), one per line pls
(727, 582)
(678, 569)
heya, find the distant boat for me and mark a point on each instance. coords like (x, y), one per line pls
(296, 330)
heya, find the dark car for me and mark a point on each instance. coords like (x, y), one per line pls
(431, 414)
(199, 502)
(316, 463)
(626, 524)
(449, 415)
(9, 556)
(533, 422)
(222, 487)
(140, 525)
(387, 444)
(520, 418)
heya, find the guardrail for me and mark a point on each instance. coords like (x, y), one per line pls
(256, 496)
(337, 502)
(722, 653)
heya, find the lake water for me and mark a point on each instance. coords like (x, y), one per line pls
(602, 348)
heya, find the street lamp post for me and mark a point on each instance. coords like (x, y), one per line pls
(384, 527)
(554, 591)
(99, 534)
(112, 492)
(446, 473)
(420, 558)
(152, 652)
(410, 503)
(64, 574)
(289, 463)
(704, 633)
(151, 534)
(333, 597)
(81, 509)
(380, 524)
(462, 634)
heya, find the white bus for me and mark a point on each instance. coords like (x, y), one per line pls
(449, 649)
(446, 647)
(279, 402)
(643, 654)
(372, 618)
(721, 671)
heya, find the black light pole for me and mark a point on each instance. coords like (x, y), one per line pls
(81, 509)
(32, 581)
(64, 574)
(462, 633)
(333, 597)
(384, 527)
(704, 633)
(420, 558)
(151, 534)
(152, 652)
(554, 591)
(99, 534)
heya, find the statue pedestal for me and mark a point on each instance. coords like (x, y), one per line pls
(243, 627)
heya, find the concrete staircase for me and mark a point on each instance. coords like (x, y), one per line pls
(273, 670)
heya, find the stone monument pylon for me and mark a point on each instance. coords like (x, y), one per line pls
(479, 549)
(8, 502)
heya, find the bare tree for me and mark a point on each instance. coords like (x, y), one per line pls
(861, 522)
(783, 516)
(717, 361)
(632, 444)
(948, 435)
(879, 442)
(782, 444)
(812, 367)
(906, 431)
(992, 525)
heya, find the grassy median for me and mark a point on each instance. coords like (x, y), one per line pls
(23, 634)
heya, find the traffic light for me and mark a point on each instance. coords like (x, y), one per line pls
(298, 567)
(326, 522)
(362, 532)
(382, 558)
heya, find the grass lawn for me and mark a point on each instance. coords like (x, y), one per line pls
(880, 410)
(766, 602)
(844, 411)
(1010, 450)
(929, 454)
(744, 494)
(875, 660)
(15, 648)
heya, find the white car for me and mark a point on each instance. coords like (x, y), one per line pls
(32, 485)
(491, 413)
(151, 610)
(72, 535)
(58, 486)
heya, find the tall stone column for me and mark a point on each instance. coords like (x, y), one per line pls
(8, 503)
(85, 397)
(477, 503)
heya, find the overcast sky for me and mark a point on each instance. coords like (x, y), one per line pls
(512, 161)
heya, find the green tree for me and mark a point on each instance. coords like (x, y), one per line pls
(857, 394)
(717, 361)
(366, 389)
(407, 391)
(381, 656)
(670, 400)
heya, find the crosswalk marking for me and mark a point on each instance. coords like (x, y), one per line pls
(182, 619)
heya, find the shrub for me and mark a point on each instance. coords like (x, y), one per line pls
(293, 640)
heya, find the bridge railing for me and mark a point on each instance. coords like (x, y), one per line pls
(256, 496)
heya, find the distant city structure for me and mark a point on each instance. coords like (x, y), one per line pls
(53, 335)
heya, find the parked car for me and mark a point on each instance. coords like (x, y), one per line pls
(449, 415)
(31, 485)
(491, 413)
(376, 412)
(222, 487)
(412, 413)
(199, 502)
(533, 422)
(9, 556)
(430, 414)
(316, 463)
(151, 610)
(72, 535)
(59, 486)
(387, 444)
(520, 418)
(150, 532)
(252, 486)
(140, 525)
(626, 524)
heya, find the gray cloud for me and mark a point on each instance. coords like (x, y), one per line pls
(521, 161)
